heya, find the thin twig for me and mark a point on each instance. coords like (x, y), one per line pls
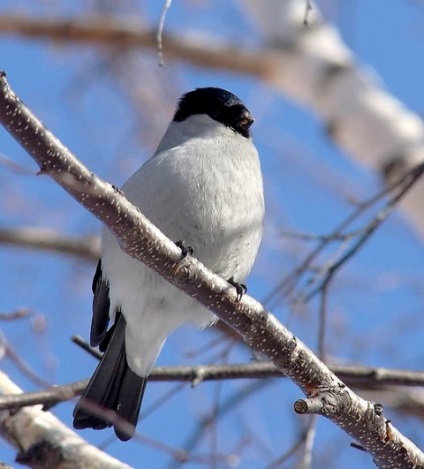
(277, 463)
(309, 442)
(18, 314)
(290, 282)
(322, 323)
(159, 34)
(21, 364)
(408, 181)
(330, 238)
(11, 165)
(236, 398)
(78, 340)
(308, 10)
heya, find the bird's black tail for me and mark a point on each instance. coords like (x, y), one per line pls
(113, 395)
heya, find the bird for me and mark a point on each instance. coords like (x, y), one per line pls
(202, 187)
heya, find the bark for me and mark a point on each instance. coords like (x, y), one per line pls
(44, 442)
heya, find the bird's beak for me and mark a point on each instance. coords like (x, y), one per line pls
(246, 120)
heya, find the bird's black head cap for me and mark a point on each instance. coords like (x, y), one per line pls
(218, 104)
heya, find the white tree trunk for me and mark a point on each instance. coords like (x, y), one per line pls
(319, 71)
(44, 441)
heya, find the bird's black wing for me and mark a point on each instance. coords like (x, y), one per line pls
(113, 387)
(101, 305)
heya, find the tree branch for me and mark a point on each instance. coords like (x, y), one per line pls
(87, 247)
(258, 327)
(43, 441)
(369, 378)
(109, 32)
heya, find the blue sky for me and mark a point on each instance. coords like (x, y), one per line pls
(375, 302)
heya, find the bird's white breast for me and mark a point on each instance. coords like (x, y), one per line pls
(202, 186)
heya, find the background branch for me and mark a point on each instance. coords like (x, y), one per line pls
(87, 247)
(359, 377)
(196, 48)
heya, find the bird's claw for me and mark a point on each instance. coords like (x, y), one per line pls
(241, 288)
(185, 250)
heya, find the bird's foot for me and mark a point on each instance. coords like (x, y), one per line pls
(185, 250)
(241, 288)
